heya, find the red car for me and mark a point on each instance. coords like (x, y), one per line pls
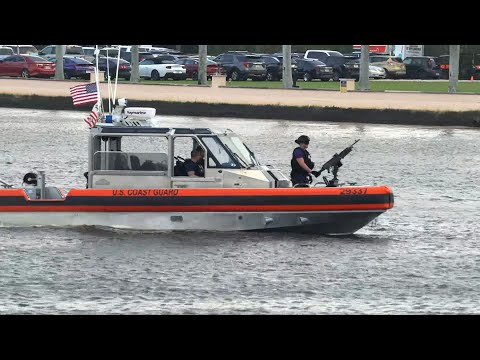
(26, 66)
(191, 65)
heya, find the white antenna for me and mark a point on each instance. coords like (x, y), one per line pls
(116, 77)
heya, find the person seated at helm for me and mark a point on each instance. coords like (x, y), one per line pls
(193, 166)
(302, 165)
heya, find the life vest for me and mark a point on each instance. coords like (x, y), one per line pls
(296, 168)
(179, 169)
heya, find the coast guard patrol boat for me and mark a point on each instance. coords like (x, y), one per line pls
(130, 188)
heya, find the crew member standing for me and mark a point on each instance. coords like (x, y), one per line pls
(302, 165)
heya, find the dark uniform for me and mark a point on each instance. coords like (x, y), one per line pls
(298, 174)
(190, 165)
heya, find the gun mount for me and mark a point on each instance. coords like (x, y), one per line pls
(334, 164)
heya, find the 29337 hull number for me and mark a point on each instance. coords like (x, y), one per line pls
(353, 191)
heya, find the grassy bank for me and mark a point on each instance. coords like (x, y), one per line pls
(376, 85)
(302, 113)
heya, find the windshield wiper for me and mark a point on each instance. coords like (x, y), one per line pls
(242, 162)
(252, 155)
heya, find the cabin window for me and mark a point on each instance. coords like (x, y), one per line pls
(218, 154)
(134, 161)
(135, 153)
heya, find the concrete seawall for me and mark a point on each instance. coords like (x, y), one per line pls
(294, 104)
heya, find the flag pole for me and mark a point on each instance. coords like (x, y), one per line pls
(116, 77)
(99, 101)
(108, 85)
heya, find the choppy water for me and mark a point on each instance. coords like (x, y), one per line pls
(423, 256)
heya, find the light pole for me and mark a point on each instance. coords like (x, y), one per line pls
(453, 68)
(364, 83)
(135, 75)
(202, 65)
(59, 75)
(287, 66)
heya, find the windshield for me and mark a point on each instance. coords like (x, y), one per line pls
(218, 156)
(6, 51)
(238, 147)
(27, 49)
(77, 50)
(110, 52)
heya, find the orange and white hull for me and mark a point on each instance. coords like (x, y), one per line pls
(339, 210)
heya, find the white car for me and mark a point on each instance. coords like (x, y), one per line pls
(376, 72)
(157, 68)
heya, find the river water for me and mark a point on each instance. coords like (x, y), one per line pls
(421, 257)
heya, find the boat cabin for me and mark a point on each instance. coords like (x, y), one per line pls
(136, 154)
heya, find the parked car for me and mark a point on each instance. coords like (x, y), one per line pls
(321, 55)
(23, 49)
(294, 55)
(89, 53)
(353, 55)
(76, 67)
(342, 66)
(191, 67)
(421, 67)
(394, 66)
(26, 66)
(376, 72)
(142, 55)
(172, 57)
(49, 52)
(337, 61)
(124, 68)
(310, 69)
(157, 68)
(242, 66)
(352, 69)
(469, 65)
(274, 65)
(5, 52)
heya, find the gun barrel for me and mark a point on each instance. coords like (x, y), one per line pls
(337, 157)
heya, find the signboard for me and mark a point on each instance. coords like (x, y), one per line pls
(403, 51)
(373, 48)
(413, 50)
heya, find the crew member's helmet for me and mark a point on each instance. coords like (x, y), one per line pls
(303, 139)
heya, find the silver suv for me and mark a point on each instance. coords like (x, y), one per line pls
(242, 66)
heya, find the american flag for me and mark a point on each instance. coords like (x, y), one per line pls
(92, 119)
(84, 94)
